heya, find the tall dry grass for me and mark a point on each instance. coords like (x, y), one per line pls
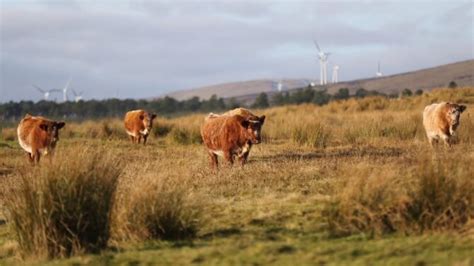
(62, 208)
(156, 208)
(76, 204)
(433, 195)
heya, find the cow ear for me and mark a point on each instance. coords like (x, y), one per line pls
(262, 119)
(153, 116)
(60, 125)
(141, 117)
(245, 123)
(44, 127)
(462, 108)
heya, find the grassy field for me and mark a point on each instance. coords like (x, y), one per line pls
(353, 182)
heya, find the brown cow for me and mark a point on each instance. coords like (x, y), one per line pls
(138, 124)
(38, 136)
(230, 136)
(441, 121)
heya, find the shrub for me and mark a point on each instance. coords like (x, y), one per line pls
(435, 195)
(157, 209)
(161, 128)
(184, 135)
(406, 92)
(452, 85)
(62, 208)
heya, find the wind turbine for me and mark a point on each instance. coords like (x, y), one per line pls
(77, 96)
(46, 93)
(335, 76)
(280, 86)
(65, 91)
(378, 73)
(323, 63)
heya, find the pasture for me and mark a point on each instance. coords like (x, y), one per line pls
(353, 182)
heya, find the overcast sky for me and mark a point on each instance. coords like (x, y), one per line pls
(140, 49)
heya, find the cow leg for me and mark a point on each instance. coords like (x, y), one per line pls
(36, 156)
(132, 138)
(432, 141)
(144, 139)
(447, 142)
(30, 157)
(229, 157)
(214, 163)
(139, 139)
(243, 158)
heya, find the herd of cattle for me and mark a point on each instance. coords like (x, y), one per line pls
(229, 135)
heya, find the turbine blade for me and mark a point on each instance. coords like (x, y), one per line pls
(39, 89)
(317, 46)
(67, 84)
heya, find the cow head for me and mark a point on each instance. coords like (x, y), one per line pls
(454, 113)
(147, 120)
(52, 130)
(253, 126)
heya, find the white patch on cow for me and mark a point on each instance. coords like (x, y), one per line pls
(130, 133)
(433, 135)
(44, 151)
(144, 132)
(218, 152)
(451, 131)
(25, 146)
(241, 151)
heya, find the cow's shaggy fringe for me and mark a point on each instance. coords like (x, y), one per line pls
(156, 208)
(433, 196)
(62, 208)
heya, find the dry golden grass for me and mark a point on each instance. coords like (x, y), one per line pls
(351, 167)
(62, 207)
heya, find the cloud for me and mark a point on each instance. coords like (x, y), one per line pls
(144, 48)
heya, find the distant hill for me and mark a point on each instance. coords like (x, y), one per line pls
(236, 89)
(426, 79)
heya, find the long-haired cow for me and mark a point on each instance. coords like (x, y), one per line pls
(441, 121)
(242, 112)
(138, 124)
(38, 136)
(230, 135)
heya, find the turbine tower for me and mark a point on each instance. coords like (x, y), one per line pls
(46, 93)
(323, 64)
(379, 73)
(335, 76)
(65, 91)
(77, 96)
(280, 86)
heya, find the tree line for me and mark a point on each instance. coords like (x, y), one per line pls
(167, 106)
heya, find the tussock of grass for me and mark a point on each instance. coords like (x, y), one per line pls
(8, 134)
(105, 129)
(157, 208)
(433, 196)
(184, 135)
(62, 208)
(161, 127)
(314, 135)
